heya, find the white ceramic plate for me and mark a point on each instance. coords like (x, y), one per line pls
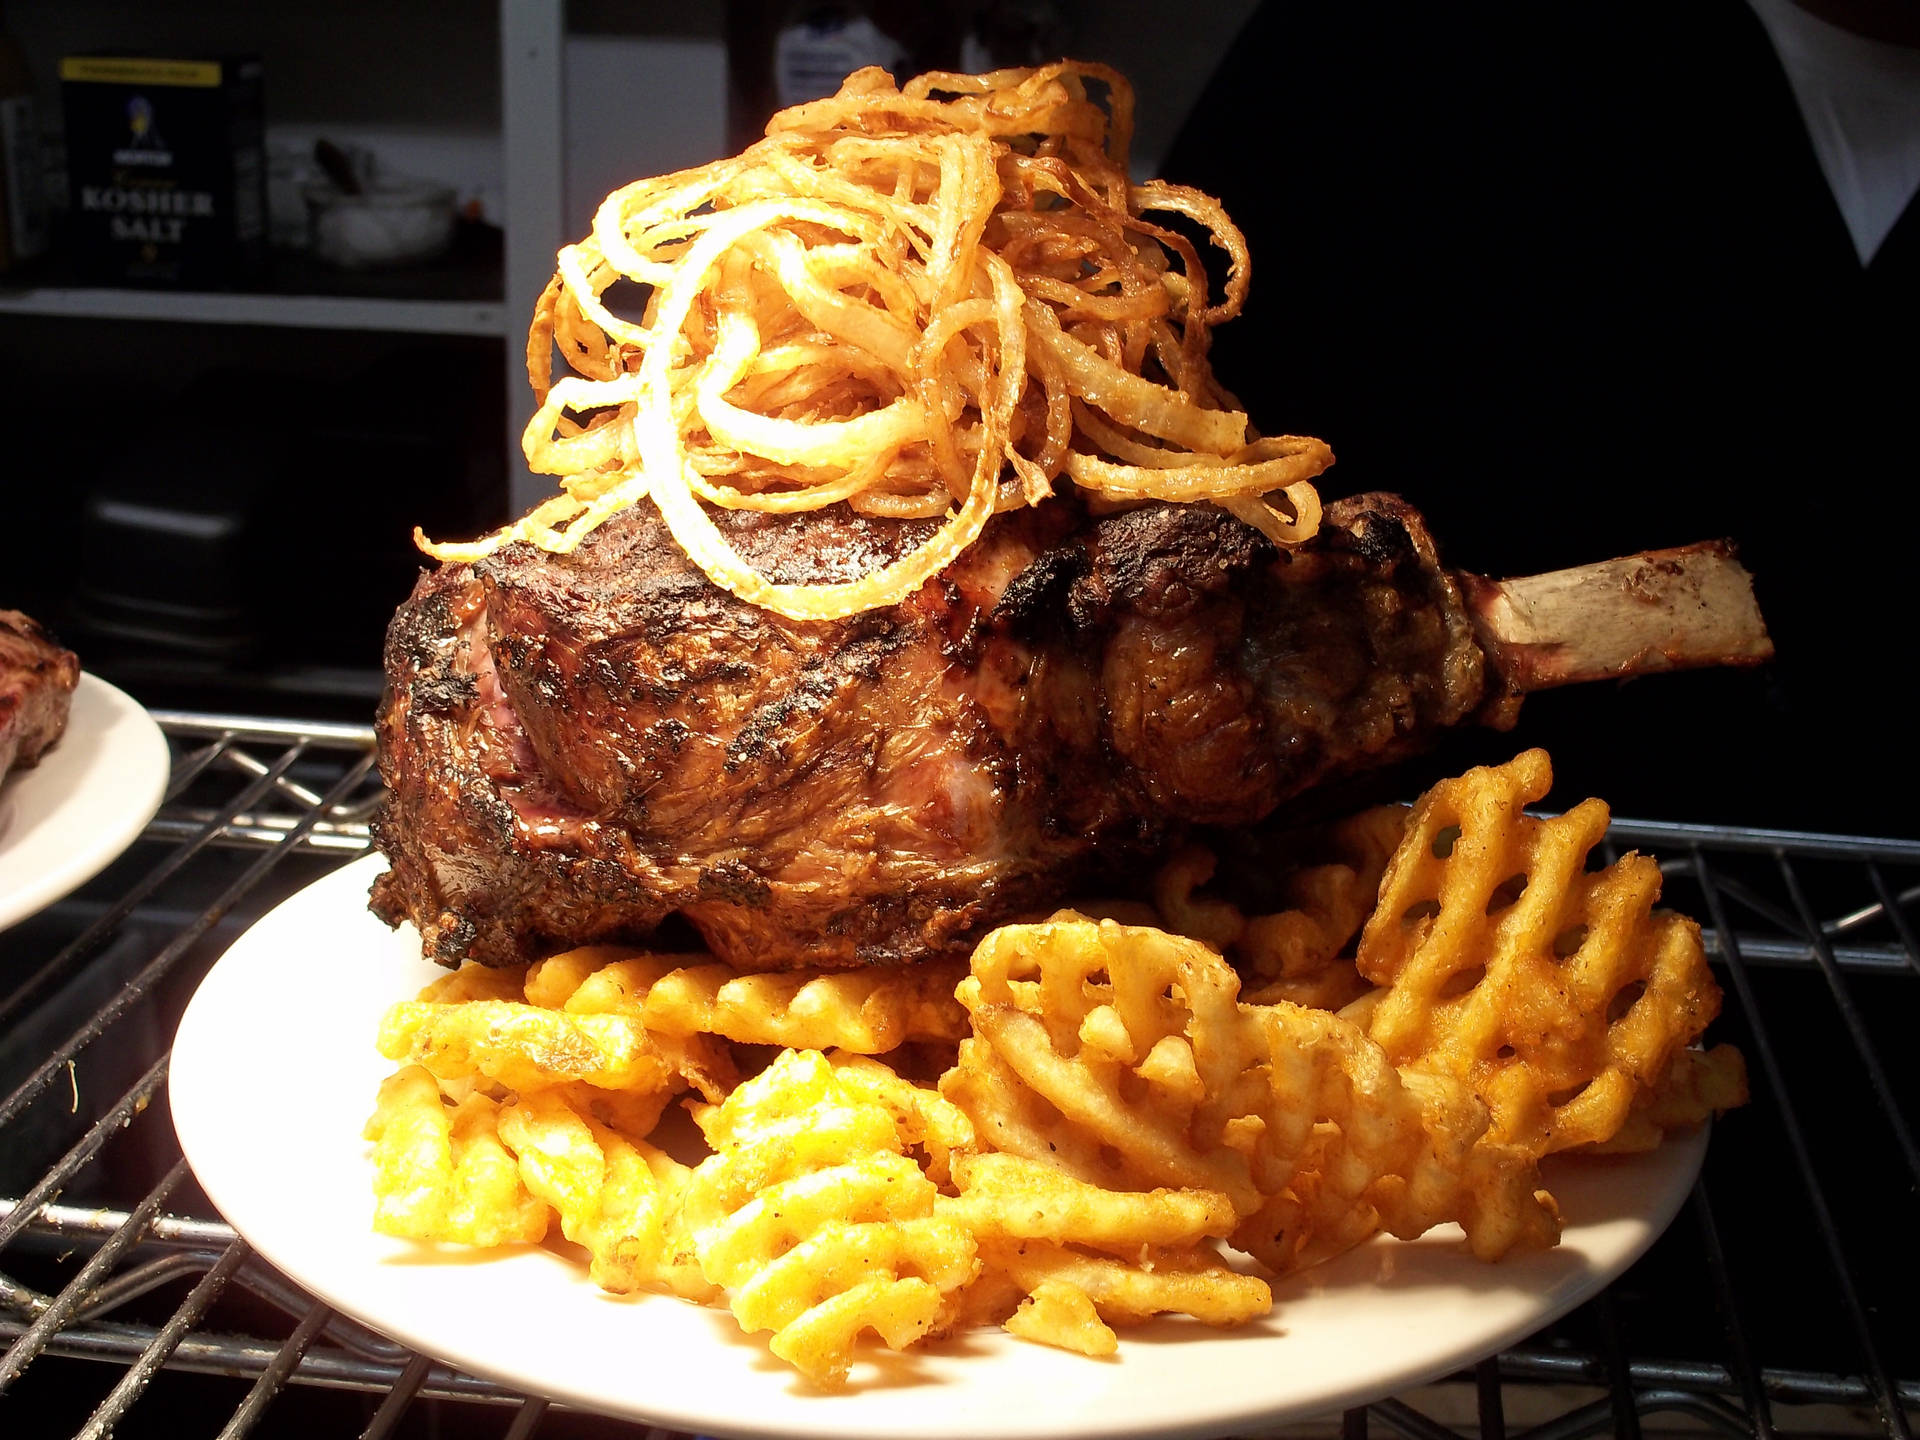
(274, 1072)
(63, 821)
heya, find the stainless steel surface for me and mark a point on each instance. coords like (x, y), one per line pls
(118, 1284)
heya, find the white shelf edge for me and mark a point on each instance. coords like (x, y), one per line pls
(301, 312)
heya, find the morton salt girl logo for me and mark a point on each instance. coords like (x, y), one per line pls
(145, 145)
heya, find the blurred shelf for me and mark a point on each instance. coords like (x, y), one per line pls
(459, 294)
(305, 312)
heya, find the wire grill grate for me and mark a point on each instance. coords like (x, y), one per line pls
(1779, 1302)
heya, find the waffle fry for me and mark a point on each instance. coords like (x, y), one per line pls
(866, 1012)
(525, 1047)
(553, 981)
(1123, 1057)
(1293, 954)
(1559, 993)
(1061, 1314)
(1697, 1086)
(1076, 1010)
(1346, 1145)
(1122, 1292)
(441, 1173)
(817, 1224)
(617, 1198)
(476, 982)
(1006, 1197)
(922, 1118)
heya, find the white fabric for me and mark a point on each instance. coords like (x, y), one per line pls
(1860, 100)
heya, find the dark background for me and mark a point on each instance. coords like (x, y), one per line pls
(1570, 279)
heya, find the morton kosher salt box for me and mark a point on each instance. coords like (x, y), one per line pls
(166, 169)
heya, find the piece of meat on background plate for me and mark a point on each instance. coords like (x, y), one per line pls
(37, 679)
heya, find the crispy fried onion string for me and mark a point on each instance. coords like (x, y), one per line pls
(929, 302)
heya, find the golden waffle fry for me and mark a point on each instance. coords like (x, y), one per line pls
(1123, 1057)
(1007, 1197)
(816, 1223)
(631, 1114)
(1184, 911)
(921, 1117)
(553, 981)
(1557, 992)
(1293, 954)
(1697, 1086)
(608, 1192)
(525, 1047)
(476, 982)
(866, 1011)
(1063, 1315)
(1346, 1144)
(1089, 1016)
(1125, 1292)
(620, 987)
(1012, 1118)
(441, 1173)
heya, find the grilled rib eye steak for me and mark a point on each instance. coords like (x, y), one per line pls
(37, 680)
(578, 747)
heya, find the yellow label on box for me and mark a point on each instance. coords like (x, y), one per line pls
(132, 70)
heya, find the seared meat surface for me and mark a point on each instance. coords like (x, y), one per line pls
(37, 679)
(578, 747)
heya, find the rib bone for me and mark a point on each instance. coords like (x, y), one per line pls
(1662, 610)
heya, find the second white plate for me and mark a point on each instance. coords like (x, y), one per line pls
(274, 1072)
(66, 819)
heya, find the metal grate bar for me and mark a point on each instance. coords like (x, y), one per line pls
(164, 1343)
(1678, 835)
(1626, 1417)
(135, 989)
(1492, 1413)
(89, 940)
(240, 1358)
(398, 1399)
(104, 1018)
(82, 1151)
(1909, 947)
(1883, 1391)
(1403, 1419)
(61, 1220)
(1794, 1387)
(273, 1378)
(64, 1308)
(532, 1411)
(331, 734)
(1752, 1393)
(1863, 1044)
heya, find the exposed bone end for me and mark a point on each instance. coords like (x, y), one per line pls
(1662, 610)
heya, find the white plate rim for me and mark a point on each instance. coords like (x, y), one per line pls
(1425, 1309)
(67, 818)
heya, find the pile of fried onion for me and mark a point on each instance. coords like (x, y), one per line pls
(924, 302)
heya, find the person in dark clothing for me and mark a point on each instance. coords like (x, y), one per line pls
(1570, 279)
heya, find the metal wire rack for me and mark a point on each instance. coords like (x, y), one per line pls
(1781, 1301)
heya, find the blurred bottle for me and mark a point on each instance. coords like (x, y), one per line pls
(1005, 33)
(23, 190)
(786, 52)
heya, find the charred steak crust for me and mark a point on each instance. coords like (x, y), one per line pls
(577, 747)
(37, 681)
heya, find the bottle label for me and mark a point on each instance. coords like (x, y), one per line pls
(812, 56)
